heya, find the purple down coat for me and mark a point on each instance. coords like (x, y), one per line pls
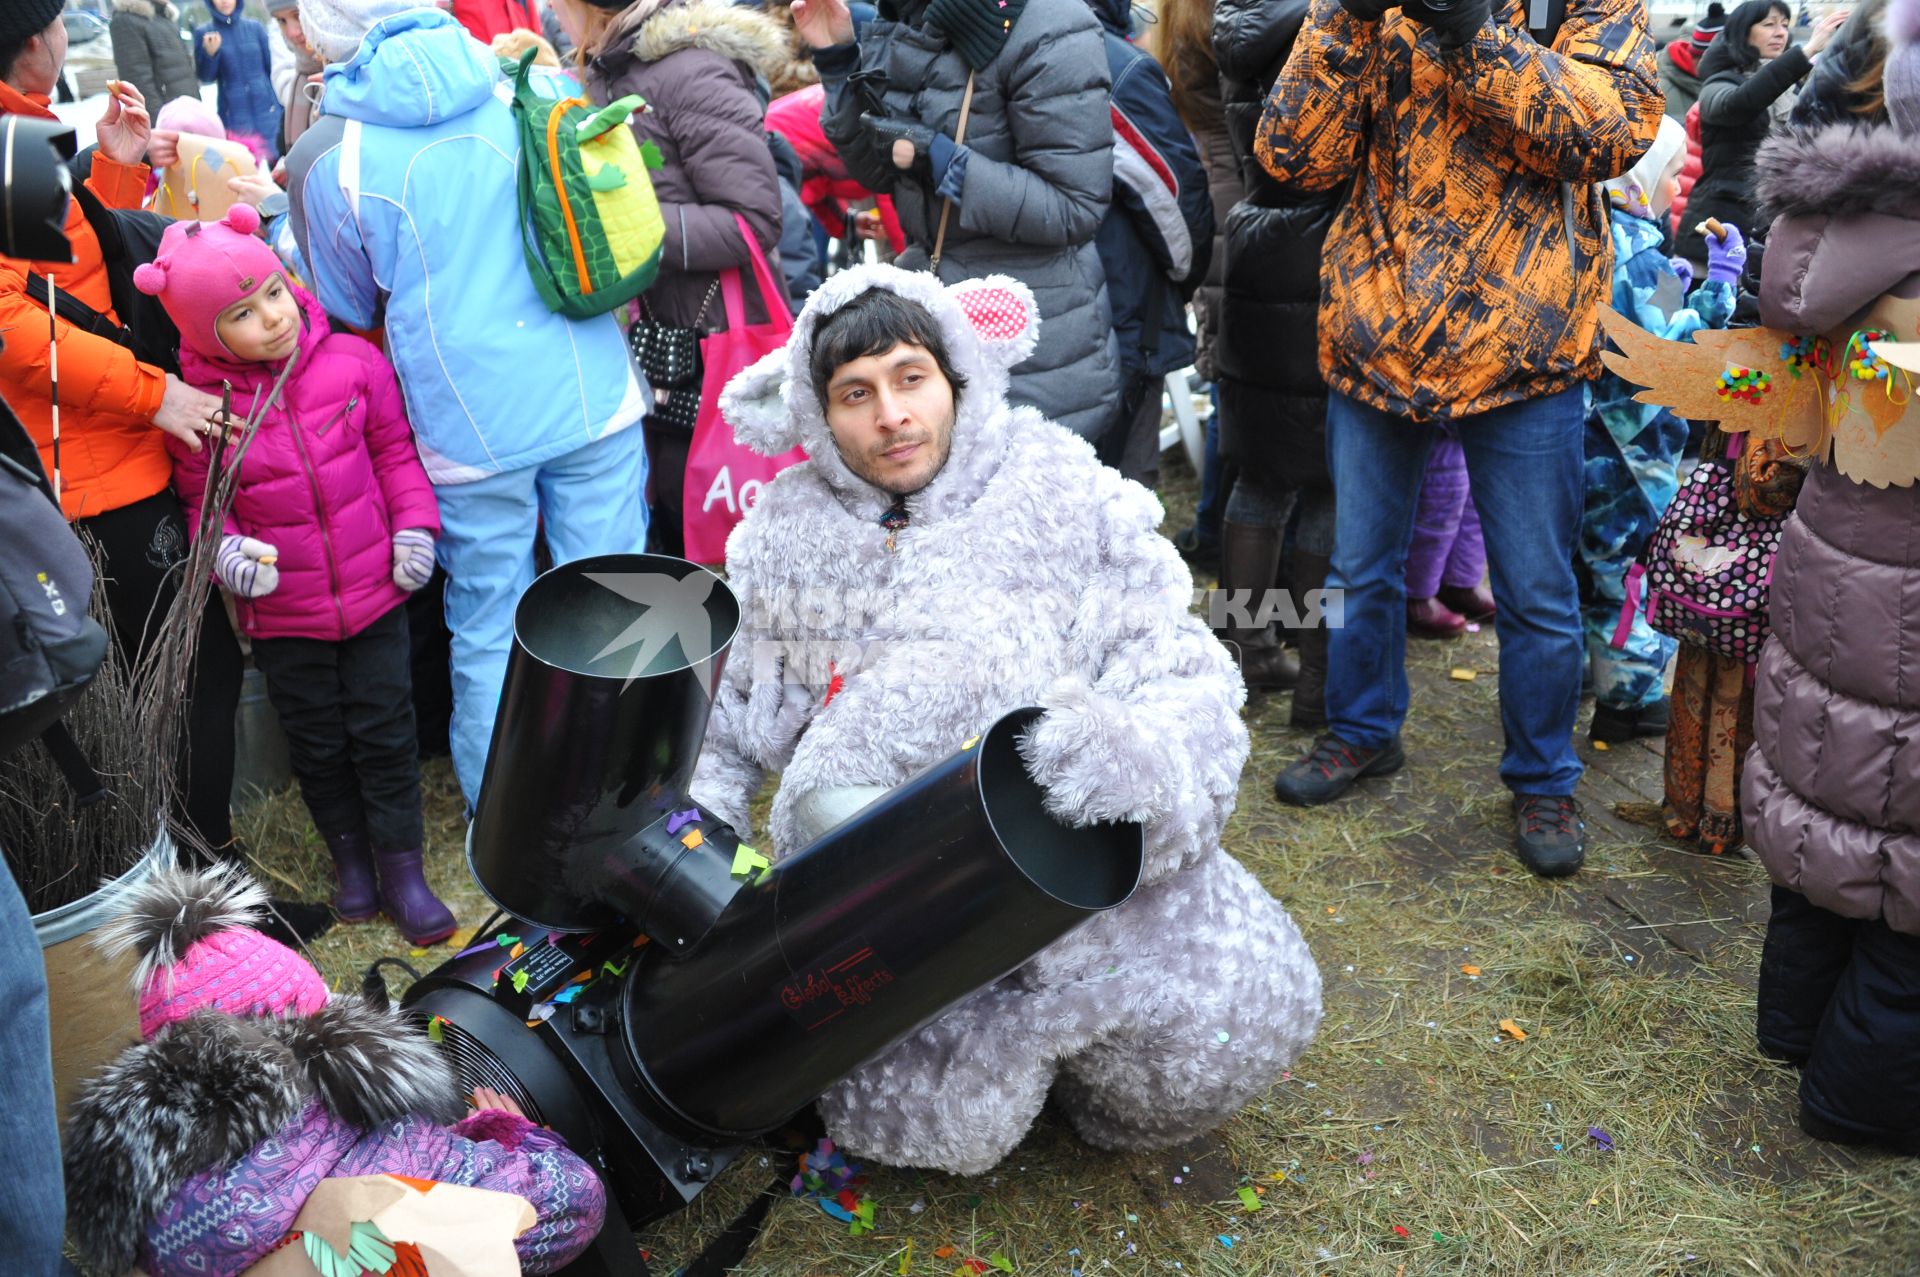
(695, 64)
(1831, 797)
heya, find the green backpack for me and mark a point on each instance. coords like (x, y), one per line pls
(589, 220)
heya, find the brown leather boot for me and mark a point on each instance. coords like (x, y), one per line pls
(1310, 693)
(1249, 561)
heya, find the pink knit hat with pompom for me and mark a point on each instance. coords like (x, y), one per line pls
(197, 950)
(204, 267)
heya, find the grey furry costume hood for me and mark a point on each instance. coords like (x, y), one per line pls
(1028, 574)
(208, 1089)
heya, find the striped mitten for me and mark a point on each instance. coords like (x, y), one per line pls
(246, 566)
(412, 558)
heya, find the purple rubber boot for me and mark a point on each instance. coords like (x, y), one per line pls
(353, 895)
(408, 901)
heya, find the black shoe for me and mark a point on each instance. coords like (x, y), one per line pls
(1549, 836)
(294, 922)
(1616, 726)
(1201, 552)
(1330, 769)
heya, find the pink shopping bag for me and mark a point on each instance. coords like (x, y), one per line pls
(724, 478)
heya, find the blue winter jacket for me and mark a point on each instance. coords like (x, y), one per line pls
(1157, 237)
(244, 69)
(405, 208)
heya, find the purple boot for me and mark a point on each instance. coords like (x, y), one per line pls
(408, 901)
(353, 895)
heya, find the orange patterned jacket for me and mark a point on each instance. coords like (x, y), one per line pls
(1469, 264)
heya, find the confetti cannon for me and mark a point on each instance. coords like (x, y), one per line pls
(660, 994)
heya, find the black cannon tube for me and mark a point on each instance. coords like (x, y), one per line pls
(943, 886)
(614, 666)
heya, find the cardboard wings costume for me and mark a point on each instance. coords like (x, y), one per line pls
(1836, 396)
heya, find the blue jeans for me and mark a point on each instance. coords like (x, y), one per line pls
(1213, 488)
(33, 1200)
(1525, 464)
(587, 502)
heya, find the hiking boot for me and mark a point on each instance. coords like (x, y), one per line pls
(354, 897)
(1549, 836)
(408, 901)
(1615, 726)
(1473, 602)
(1330, 769)
(1432, 619)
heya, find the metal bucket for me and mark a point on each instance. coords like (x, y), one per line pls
(260, 761)
(91, 1007)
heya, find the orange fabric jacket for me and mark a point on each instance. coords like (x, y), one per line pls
(1469, 264)
(111, 454)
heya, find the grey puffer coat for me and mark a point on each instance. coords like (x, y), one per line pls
(1831, 796)
(150, 51)
(695, 65)
(1038, 180)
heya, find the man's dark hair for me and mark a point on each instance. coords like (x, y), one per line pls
(872, 324)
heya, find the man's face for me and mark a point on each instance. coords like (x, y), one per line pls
(892, 418)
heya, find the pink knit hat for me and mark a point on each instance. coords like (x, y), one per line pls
(190, 115)
(198, 952)
(204, 267)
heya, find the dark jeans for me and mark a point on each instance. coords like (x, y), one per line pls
(1527, 465)
(143, 545)
(667, 479)
(33, 1200)
(1843, 995)
(347, 709)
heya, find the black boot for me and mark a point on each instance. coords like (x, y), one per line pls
(1249, 560)
(1310, 693)
(291, 922)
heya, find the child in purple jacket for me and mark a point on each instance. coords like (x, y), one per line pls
(332, 526)
(193, 1152)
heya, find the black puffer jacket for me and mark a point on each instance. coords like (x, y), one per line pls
(1273, 402)
(1735, 117)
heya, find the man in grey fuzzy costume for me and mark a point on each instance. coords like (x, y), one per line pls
(941, 559)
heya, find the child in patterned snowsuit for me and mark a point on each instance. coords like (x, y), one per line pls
(1633, 449)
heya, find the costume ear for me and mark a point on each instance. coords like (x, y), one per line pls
(754, 405)
(1003, 315)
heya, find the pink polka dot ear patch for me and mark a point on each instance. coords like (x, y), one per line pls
(997, 314)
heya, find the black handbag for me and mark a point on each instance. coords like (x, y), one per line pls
(669, 358)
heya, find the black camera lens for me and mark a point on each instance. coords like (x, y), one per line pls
(34, 188)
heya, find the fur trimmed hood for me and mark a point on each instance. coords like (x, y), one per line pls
(650, 32)
(209, 1089)
(988, 324)
(148, 9)
(1837, 170)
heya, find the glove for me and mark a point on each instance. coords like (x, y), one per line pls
(912, 146)
(1453, 27)
(412, 558)
(246, 566)
(1684, 269)
(1369, 10)
(1726, 256)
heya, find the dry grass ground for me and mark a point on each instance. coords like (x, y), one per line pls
(1411, 1139)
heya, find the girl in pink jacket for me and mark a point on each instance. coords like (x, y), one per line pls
(332, 526)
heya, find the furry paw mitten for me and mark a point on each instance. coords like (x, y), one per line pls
(412, 558)
(246, 566)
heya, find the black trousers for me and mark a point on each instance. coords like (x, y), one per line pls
(667, 478)
(1843, 995)
(347, 709)
(143, 545)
